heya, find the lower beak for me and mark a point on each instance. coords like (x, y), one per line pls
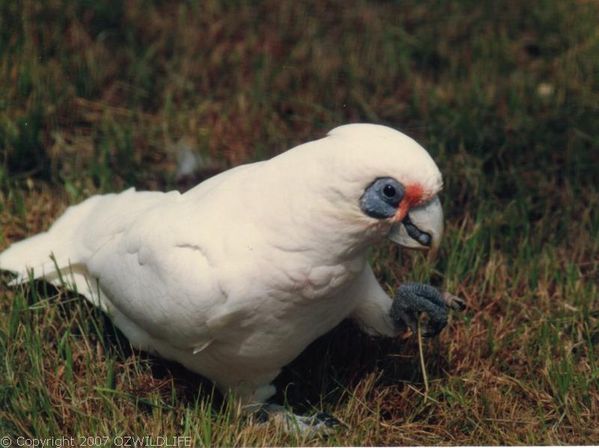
(422, 228)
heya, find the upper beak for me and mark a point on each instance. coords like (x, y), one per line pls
(422, 228)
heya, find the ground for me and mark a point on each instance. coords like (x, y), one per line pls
(100, 96)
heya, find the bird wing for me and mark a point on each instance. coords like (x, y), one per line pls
(168, 270)
(161, 275)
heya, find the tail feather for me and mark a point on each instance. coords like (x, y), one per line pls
(35, 258)
(59, 255)
(35, 254)
(55, 249)
(53, 255)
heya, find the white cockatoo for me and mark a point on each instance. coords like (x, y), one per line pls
(234, 278)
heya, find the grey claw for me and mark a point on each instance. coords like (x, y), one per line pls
(412, 299)
(327, 420)
(453, 302)
(318, 424)
(261, 415)
(404, 319)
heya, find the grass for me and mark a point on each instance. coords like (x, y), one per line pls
(100, 96)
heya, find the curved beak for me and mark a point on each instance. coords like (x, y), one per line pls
(421, 229)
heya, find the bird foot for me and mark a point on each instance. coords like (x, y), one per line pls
(320, 424)
(413, 299)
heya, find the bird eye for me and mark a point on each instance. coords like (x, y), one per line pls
(382, 197)
(389, 191)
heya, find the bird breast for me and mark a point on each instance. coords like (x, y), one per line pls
(322, 281)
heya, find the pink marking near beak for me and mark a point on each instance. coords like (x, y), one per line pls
(413, 196)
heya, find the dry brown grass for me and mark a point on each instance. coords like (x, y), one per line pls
(99, 97)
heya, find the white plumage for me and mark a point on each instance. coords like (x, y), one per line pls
(234, 278)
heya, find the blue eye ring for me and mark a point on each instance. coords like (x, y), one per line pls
(382, 198)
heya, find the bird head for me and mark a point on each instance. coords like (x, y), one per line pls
(388, 182)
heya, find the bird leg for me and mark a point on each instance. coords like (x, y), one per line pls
(412, 299)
